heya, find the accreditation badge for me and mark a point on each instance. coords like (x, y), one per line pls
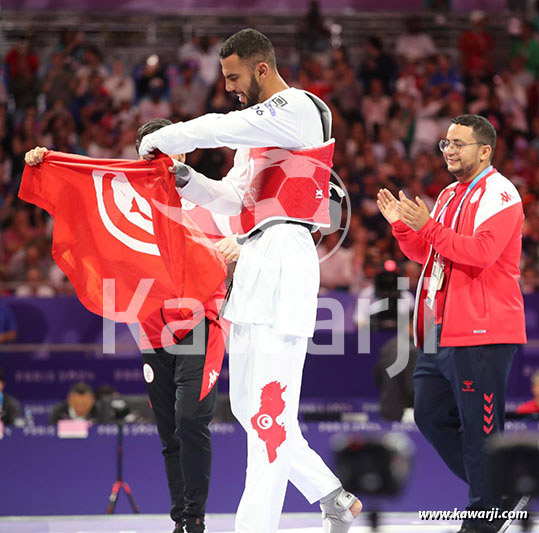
(436, 281)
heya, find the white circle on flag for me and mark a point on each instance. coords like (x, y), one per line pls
(127, 201)
(148, 373)
(264, 421)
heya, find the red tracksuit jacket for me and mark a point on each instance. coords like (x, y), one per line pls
(483, 303)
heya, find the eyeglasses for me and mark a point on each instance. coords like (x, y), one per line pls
(444, 144)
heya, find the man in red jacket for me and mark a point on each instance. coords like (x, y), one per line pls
(469, 314)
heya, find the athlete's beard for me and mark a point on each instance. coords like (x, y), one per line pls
(253, 93)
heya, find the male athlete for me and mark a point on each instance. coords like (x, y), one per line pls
(273, 302)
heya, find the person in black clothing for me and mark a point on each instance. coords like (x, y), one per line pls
(80, 405)
(9, 406)
(183, 412)
(173, 381)
(182, 397)
(397, 392)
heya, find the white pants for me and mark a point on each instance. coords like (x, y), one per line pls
(265, 382)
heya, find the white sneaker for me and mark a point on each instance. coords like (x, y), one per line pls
(336, 514)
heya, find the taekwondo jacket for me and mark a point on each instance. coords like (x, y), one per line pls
(483, 303)
(277, 277)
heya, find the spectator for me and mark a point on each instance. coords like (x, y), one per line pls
(375, 106)
(527, 47)
(218, 100)
(154, 105)
(34, 285)
(513, 100)
(203, 51)
(120, 86)
(33, 255)
(70, 46)
(58, 128)
(22, 64)
(80, 405)
(445, 76)
(347, 93)
(531, 406)
(377, 64)
(385, 136)
(188, 97)
(427, 126)
(92, 63)
(528, 282)
(476, 46)
(19, 233)
(521, 77)
(10, 408)
(59, 83)
(481, 101)
(152, 69)
(414, 45)
(386, 144)
(313, 34)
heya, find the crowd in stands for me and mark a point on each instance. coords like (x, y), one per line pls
(391, 105)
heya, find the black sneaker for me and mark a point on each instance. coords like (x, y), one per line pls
(515, 504)
(194, 525)
(178, 528)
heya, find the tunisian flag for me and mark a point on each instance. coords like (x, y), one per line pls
(120, 234)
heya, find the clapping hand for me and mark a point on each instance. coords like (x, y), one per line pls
(414, 214)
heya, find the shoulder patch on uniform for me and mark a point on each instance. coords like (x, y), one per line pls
(270, 108)
(278, 101)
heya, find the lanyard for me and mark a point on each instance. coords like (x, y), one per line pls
(489, 170)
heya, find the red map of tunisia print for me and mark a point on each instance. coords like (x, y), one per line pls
(264, 422)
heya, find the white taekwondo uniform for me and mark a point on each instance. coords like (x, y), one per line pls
(272, 305)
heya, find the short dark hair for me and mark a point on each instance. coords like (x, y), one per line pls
(251, 45)
(2, 375)
(483, 130)
(81, 388)
(150, 126)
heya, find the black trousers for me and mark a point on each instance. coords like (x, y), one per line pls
(183, 424)
(459, 404)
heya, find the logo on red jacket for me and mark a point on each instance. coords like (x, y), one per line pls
(506, 197)
(264, 422)
(467, 386)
